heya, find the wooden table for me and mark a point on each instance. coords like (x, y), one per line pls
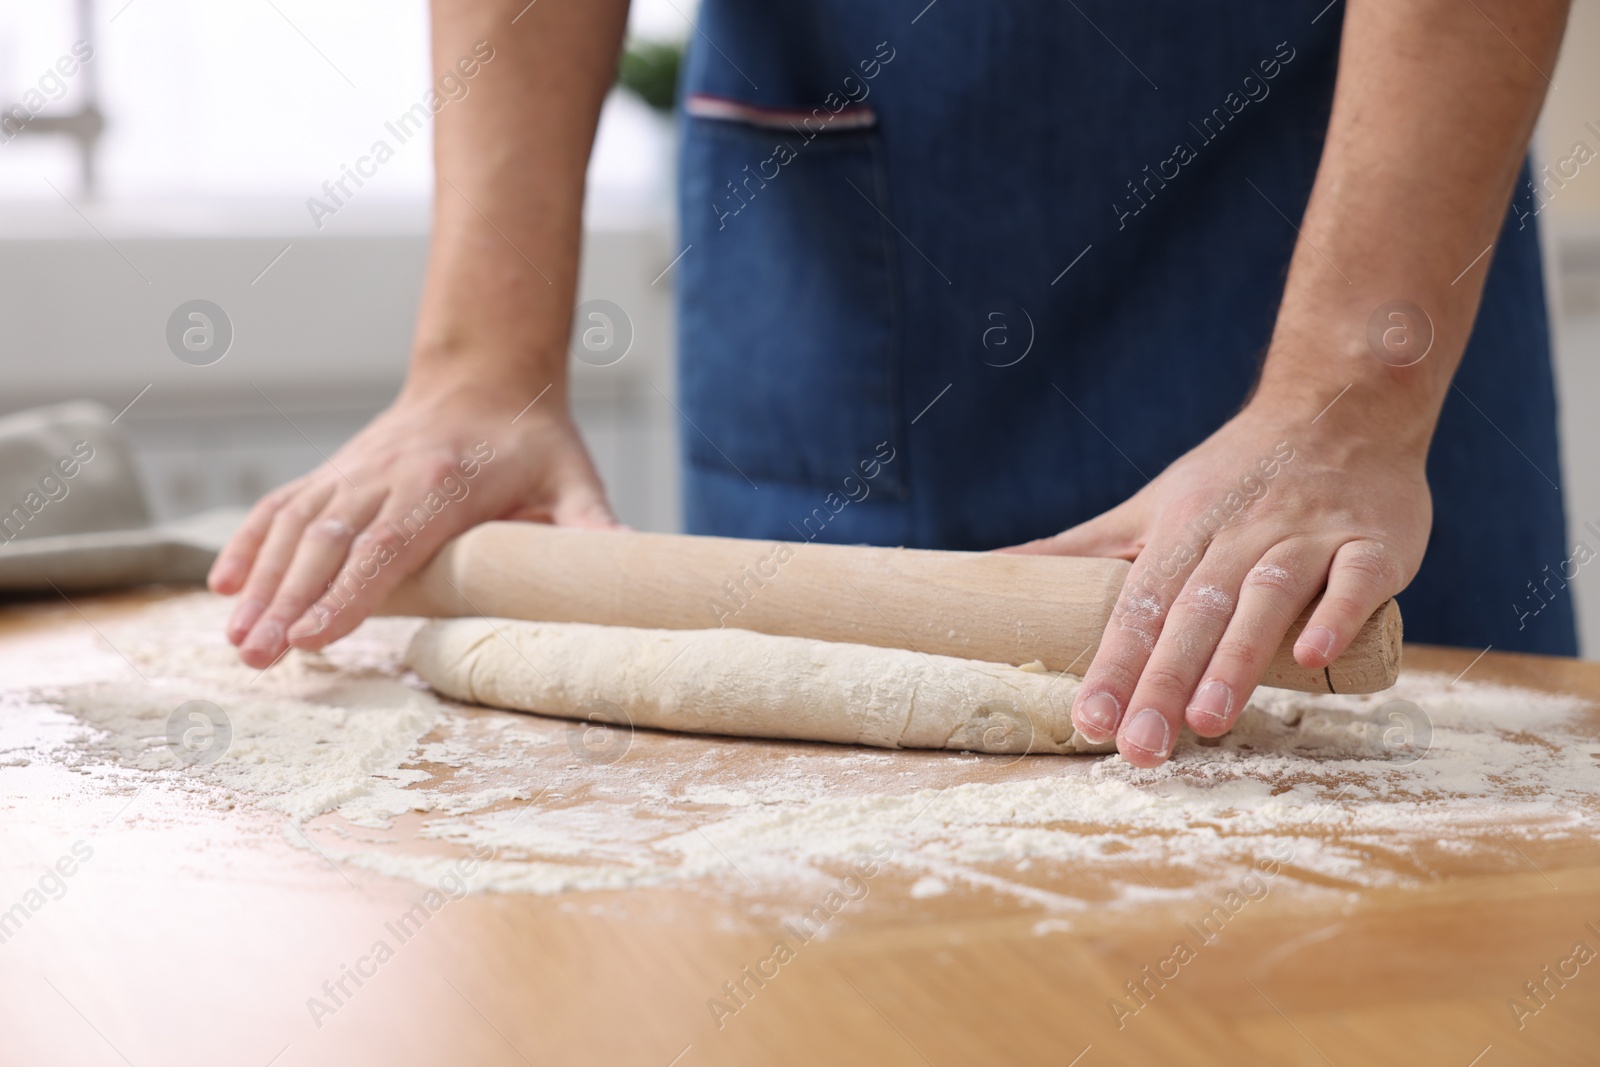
(195, 934)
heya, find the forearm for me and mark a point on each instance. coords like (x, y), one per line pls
(510, 162)
(1433, 109)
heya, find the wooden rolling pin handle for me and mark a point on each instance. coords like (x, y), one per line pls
(1000, 608)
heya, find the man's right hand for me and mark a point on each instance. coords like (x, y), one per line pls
(318, 555)
(522, 86)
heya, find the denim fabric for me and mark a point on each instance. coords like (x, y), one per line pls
(844, 373)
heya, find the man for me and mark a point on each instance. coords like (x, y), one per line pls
(1199, 286)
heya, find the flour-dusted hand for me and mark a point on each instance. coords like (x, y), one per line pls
(1229, 545)
(318, 555)
(1321, 479)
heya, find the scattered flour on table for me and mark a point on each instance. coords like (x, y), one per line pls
(1337, 777)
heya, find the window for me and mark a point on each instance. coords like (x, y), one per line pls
(252, 99)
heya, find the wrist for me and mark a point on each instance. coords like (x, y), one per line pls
(485, 322)
(1345, 421)
(492, 379)
(1364, 367)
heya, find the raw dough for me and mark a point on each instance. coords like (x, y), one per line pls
(748, 684)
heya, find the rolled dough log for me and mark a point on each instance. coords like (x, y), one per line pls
(741, 683)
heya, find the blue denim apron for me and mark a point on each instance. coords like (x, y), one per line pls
(965, 274)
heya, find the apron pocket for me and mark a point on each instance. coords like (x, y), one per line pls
(787, 302)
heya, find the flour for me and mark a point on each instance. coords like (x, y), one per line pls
(378, 774)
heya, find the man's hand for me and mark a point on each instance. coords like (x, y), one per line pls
(465, 442)
(318, 555)
(1351, 389)
(1229, 544)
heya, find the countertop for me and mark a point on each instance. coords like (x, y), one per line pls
(205, 925)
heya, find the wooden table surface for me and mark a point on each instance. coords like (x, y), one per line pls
(196, 933)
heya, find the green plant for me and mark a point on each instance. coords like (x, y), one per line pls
(649, 69)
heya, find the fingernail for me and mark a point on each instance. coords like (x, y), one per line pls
(266, 637)
(225, 573)
(1318, 639)
(1211, 704)
(244, 616)
(1098, 713)
(1149, 732)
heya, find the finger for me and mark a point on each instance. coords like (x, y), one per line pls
(1114, 534)
(277, 549)
(578, 499)
(400, 539)
(1129, 639)
(1271, 597)
(232, 565)
(1198, 618)
(322, 548)
(584, 505)
(1364, 574)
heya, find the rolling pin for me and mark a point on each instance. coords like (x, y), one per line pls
(974, 605)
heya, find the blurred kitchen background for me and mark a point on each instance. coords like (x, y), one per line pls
(176, 165)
